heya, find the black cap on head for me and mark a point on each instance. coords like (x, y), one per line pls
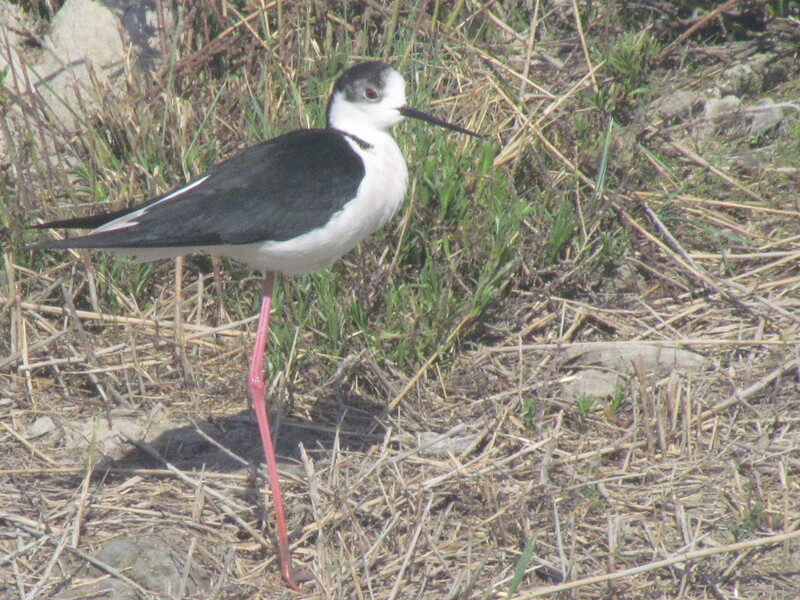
(372, 74)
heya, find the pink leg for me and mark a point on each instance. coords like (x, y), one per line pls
(255, 381)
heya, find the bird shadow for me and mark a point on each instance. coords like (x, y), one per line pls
(232, 443)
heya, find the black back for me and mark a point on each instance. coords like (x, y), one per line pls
(275, 190)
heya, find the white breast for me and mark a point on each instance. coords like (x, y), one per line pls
(378, 199)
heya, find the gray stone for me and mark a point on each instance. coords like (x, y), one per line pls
(593, 382)
(41, 426)
(766, 115)
(83, 56)
(622, 356)
(150, 561)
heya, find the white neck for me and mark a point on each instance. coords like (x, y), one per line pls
(369, 121)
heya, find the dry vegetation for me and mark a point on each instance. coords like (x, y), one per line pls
(497, 448)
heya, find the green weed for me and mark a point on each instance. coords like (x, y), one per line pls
(625, 59)
(563, 224)
(585, 403)
(753, 519)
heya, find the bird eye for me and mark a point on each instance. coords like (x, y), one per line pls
(370, 94)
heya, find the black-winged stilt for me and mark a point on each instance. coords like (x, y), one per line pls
(290, 205)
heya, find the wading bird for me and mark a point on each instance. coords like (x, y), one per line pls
(292, 204)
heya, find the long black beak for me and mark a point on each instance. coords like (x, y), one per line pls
(407, 111)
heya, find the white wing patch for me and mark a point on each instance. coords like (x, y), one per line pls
(129, 220)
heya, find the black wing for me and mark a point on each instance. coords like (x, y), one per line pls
(276, 190)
